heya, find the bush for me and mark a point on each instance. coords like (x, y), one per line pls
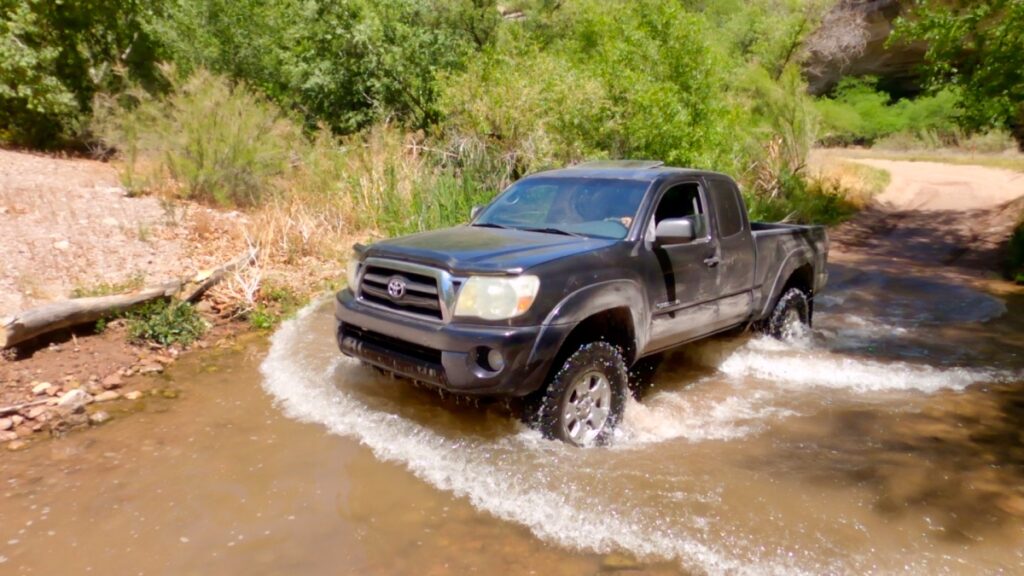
(858, 113)
(165, 323)
(811, 200)
(639, 81)
(219, 143)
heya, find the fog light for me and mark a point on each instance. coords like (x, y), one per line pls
(495, 360)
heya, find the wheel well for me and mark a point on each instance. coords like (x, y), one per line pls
(802, 278)
(614, 326)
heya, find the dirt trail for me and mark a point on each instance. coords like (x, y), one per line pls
(953, 217)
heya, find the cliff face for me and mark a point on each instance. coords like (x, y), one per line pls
(851, 41)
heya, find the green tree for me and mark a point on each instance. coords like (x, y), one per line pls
(977, 46)
(55, 55)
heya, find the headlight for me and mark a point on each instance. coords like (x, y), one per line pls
(352, 273)
(496, 298)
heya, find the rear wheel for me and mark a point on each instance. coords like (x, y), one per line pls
(791, 315)
(584, 401)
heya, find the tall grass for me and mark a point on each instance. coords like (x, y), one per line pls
(308, 196)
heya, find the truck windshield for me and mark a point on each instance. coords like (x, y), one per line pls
(595, 207)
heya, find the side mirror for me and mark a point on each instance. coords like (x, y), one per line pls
(674, 231)
(474, 211)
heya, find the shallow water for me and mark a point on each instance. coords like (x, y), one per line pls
(886, 440)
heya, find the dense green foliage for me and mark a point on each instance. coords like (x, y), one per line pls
(977, 46)
(165, 323)
(858, 113)
(56, 55)
(410, 111)
(345, 64)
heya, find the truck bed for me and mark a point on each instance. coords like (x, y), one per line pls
(775, 246)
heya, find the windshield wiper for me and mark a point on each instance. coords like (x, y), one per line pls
(489, 225)
(554, 231)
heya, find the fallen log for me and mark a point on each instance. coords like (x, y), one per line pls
(68, 313)
(5, 410)
(48, 318)
(203, 281)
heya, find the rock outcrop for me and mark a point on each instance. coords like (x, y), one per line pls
(851, 41)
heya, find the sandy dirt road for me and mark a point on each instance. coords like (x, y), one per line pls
(952, 219)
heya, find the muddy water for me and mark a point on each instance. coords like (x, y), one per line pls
(887, 440)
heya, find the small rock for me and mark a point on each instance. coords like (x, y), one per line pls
(151, 368)
(618, 562)
(113, 381)
(133, 395)
(112, 222)
(35, 412)
(7, 436)
(169, 393)
(41, 388)
(17, 419)
(6, 424)
(93, 388)
(25, 431)
(16, 445)
(106, 396)
(53, 390)
(61, 245)
(97, 418)
(74, 400)
(165, 360)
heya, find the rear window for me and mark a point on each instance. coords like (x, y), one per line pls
(727, 207)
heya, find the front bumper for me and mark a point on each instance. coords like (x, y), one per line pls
(443, 355)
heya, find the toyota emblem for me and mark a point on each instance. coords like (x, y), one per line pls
(396, 287)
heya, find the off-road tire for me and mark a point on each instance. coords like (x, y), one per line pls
(548, 410)
(641, 375)
(792, 302)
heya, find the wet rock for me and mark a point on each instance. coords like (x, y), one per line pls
(40, 388)
(35, 412)
(169, 393)
(151, 368)
(133, 395)
(112, 381)
(24, 431)
(74, 400)
(97, 418)
(616, 562)
(16, 445)
(6, 424)
(106, 396)
(7, 436)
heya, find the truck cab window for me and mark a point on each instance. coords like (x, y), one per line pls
(683, 201)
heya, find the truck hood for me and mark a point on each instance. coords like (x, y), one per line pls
(469, 249)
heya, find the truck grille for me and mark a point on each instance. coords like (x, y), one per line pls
(419, 293)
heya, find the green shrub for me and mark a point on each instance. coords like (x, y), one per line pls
(858, 113)
(219, 143)
(812, 200)
(165, 323)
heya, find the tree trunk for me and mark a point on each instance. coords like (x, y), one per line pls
(51, 317)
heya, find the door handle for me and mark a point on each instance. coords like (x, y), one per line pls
(711, 261)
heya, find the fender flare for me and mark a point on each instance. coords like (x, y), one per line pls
(584, 303)
(796, 259)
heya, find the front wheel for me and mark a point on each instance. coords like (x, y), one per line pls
(791, 315)
(584, 401)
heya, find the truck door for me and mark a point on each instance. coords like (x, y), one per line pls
(683, 296)
(735, 279)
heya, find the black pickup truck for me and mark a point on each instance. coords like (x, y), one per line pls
(568, 279)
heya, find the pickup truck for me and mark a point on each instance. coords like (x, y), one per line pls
(570, 278)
